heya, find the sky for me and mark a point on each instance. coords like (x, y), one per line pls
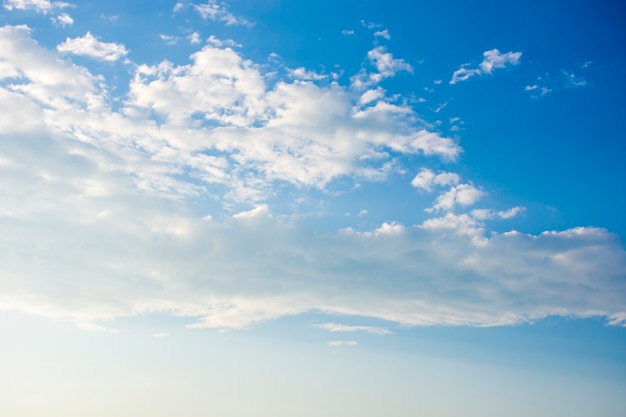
(298, 208)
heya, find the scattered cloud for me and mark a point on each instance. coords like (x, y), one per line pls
(484, 214)
(347, 32)
(493, 59)
(222, 43)
(40, 6)
(386, 66)
(218, 12)
(537, 91)
(335, 327)
(302, 73)
(572, 80)
(160, 335)
(426, 178)
(194, 38)
(370, 25)
(546, 83)
(62, 20)
(382, 34)
(458, 195)
(169, 39)
(90, 46)
(109, 227)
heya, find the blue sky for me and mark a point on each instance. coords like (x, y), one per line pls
(280, 208)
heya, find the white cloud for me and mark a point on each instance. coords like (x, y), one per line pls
(383, 34)
(386, 66)
(109, 226)
(462, 194)
(222, 43)
(194, 38)
(40, 6)
(302, 73)
(90, 46)
(426, 178)
(335, 327)
(257, 212)
(63, 20)
(217, 12)
(385, 63)
(347, 32)
(169, 39)
(493, 59)
(372, 95)
(484, 214)
(512, 212)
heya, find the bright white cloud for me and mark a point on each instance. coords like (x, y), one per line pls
(386, 66)
(302, 73)
(90, 46)
(459, 195)
(426, 178)
(221, 43)
(493, 59)
(106, 229)
(40, 6)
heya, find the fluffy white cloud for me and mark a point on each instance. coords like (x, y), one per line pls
(104, 211)
(88, 45)
(459, 195)
(386, 66)
(426, 178)
(493, 59)
(42, 77)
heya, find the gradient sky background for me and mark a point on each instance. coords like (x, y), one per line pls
(312, 208)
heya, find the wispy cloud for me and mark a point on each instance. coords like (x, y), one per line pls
(335, 327)
(339, 343)
(217, 11)
(493, 59)
(62, 20)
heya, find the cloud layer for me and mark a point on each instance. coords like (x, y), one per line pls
(100, 217)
